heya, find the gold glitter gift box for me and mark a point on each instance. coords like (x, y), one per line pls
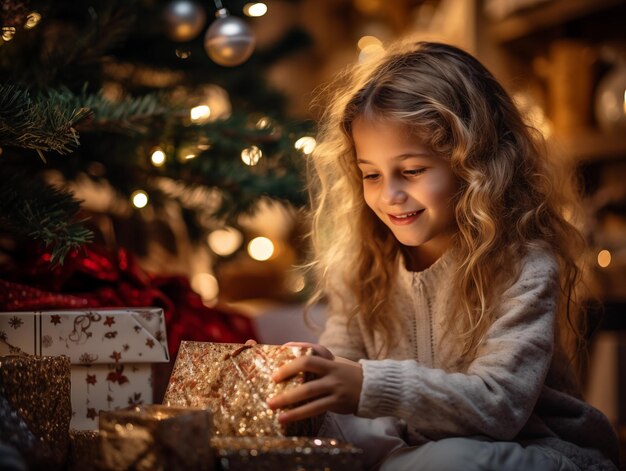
(36, 392)
(285, 454)
(155, 438)
(234, 382)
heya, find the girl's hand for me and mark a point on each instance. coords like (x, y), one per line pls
(337, 387)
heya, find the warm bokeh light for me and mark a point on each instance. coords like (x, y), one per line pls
(158, 157)
(604, 258)
(139, 199)
(306, 144)
(261, 248)
(255, 9)
(251, 155)
(8, 32)
(200, 113)
(263, 123)
(32, 20)
(183, 53)
(296, 284)
(225, 242)
(189, 156)
(205, 285)
(370, 51)
(368, 41)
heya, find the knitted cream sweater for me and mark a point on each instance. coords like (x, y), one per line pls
(517, 388)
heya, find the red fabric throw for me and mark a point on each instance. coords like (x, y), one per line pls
(90, 278)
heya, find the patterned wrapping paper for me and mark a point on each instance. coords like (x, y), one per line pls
(155, 438)
(234, 382)
(35, 394)
(111, 351)
(285, 454)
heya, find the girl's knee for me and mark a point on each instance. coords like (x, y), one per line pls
(443, 455)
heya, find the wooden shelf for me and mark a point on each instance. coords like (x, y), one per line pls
(548, 15)
(589, 146)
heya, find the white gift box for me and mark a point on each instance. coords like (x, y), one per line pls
(111, 351)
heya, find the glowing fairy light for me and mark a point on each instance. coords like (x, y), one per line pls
(251, 155)
(296, 284)
(139, 199)
(306, 144)
(158, 157)
(200, 113)
(263, 123)
(604, 258)
(225, 242)
(205, 285)
(7, 33)
(369, 41)
(32, 20)
(261, 248)
(255, 9)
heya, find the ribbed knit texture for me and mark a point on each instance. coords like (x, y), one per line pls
(516, 388)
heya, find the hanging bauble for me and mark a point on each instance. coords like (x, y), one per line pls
(184, 20)
(229, 40)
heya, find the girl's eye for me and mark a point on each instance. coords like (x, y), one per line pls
(370, 176)
(413, 172)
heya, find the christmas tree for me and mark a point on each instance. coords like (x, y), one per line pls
(118, 102)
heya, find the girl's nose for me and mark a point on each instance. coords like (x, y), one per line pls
(393, 193)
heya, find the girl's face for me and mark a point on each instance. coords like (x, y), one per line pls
(409, 188)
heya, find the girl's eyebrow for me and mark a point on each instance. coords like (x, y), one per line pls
(405, 156)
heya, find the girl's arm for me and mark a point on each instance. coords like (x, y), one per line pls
(497, 394)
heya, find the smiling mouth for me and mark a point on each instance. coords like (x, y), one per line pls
(405, 218)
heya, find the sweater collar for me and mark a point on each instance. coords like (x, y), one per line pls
(433, 272)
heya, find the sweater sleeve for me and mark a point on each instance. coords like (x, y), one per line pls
(497, 394)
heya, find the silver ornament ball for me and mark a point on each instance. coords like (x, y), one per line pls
(229, 40)
(184, 20)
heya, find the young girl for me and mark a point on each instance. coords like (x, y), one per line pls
(449, 267)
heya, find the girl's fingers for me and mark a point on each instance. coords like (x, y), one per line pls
(310, 409)
(317, 348)
(311, 364)
(304, 392)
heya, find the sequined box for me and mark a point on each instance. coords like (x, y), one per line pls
(234, 382)
(35, 408)
(155, 438)
(111, 351)
(286, 454)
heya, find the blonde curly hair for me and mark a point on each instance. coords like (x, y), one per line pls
(508, 201)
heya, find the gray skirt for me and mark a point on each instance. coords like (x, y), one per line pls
(385, 449)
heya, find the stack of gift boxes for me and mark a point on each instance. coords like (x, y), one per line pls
(214, 416)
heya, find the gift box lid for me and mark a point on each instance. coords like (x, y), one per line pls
(89, 336)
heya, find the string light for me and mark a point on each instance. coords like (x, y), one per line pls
(369, 41)
(32, 20)
(205, 285)
(255, 9)
(296, 284)
(8, 32)
(200, 113)
(263, 123)
(225, 242)
(251, 155)
(139, 199)
(261, 248)
(158, 157)
(306, 144)
(183, 53)
(604, 258)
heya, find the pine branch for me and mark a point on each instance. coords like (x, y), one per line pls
(30, 207)
(43, 122)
